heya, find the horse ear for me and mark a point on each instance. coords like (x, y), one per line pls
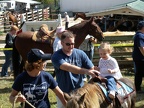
(67, 97)
(81, 99)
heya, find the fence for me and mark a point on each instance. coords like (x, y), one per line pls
(122, 44)
(33, 15)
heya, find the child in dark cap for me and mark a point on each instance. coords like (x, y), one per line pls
(35, 82)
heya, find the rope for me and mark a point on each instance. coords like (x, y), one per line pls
(16, 97)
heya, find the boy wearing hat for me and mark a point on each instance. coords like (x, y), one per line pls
(138, 56)
(35, 82)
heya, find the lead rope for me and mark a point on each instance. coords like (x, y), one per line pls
(23, 106)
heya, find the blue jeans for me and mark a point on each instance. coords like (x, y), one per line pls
(111, 83)
(8, 61)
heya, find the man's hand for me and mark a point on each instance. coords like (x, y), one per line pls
(93, 73)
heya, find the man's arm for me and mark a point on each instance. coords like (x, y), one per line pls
(77, 70)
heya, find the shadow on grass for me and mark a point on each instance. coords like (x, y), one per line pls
(7, 79)
(5, 90)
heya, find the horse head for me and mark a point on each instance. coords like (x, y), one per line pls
(95, 30)
(75, 101)
(80, 15)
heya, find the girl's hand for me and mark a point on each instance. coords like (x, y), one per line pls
(110, 71)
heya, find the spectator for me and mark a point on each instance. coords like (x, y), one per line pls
(70, 64)
(8, 53)
(22, 19)
(138, 56)
(57, 43)
(66, 20)
(88, 47)
(35, 82)
(108, 68)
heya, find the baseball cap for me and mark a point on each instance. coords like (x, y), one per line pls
(37, 54)
(60, 30)
(140, 25)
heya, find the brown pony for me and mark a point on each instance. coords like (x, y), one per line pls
(91, 96)
(23, 42)
(13, 20)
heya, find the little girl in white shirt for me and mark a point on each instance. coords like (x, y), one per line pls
(108, 67)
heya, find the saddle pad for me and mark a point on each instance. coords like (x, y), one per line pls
(127, 88)
(104, 91)
(120, 90)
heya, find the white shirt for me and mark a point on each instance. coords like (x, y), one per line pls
(57, 44)
(22, 18)
(66, 18)
(86, 46)
(112, 64)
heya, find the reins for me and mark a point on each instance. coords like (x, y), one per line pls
(23, 106)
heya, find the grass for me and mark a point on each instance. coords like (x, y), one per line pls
(5, 89)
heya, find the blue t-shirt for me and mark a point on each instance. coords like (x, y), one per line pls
(35, 89)
(138, 42)
(68, 81)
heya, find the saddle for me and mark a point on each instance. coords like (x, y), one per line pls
(122, 93)
(43, 35)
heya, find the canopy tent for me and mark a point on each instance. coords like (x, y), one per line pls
(135, 8)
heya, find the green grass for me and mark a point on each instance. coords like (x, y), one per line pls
(5, 89)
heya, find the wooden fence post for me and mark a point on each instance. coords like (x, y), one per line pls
(32, 15)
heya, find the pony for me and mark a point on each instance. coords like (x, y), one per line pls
(23, 42)
(91, 96)
(12, 19)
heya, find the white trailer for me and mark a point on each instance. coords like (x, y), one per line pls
(88, 5)
(34, 25)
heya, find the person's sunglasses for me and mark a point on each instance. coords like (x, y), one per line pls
(68, 44)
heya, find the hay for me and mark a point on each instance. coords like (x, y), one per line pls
(118, 33)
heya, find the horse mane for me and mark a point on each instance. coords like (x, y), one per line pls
(77, 27)
(90, 93)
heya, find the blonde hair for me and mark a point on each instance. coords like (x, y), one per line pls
(107, 47)
(14, 27)
(31, 66)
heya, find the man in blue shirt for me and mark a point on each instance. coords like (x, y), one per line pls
(70, 64)
(138, 56)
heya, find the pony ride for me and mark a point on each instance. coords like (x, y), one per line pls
(24, 42)
(92, 96)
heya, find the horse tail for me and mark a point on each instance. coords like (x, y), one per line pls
(15, 60)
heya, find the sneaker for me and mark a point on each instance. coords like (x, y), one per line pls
(5, 76)
(112, 94)
(85, 79)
